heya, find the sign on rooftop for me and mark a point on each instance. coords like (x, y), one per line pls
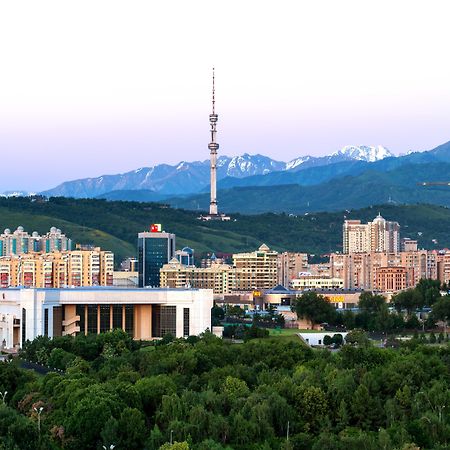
(155, 228)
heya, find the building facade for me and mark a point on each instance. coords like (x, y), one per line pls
(377, 236)
(20, 242)
(155, 248)
(221, 278)
(256, 270)
(76, 268)
(143, 313)
(289, 265)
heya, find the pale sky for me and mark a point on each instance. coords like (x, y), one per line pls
(96, 87)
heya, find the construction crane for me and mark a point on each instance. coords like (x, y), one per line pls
(434, 183)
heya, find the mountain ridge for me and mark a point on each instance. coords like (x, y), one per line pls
(191, 177)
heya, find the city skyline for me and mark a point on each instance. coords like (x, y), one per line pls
(108, 89)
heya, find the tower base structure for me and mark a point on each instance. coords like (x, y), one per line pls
(209, 217)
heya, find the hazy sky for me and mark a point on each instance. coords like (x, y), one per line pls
(95, 87)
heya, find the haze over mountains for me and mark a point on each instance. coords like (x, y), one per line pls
(353, 177)
(192, 177)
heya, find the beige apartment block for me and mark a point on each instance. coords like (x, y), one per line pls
(289, 266)
(221, 278)
(256, 270)
(377, 236)
(59, 269)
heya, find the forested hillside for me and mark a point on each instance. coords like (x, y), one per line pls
(208, 394)
(114, 225)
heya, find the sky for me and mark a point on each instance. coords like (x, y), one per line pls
(101, 87)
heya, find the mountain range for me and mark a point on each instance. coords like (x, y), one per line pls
(164, 180)
(353, 177)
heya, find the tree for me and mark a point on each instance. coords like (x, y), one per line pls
(371, 303)
(175, 446)
(408, 300)
(132, 429)
(315, 308)
(357, 337)
(441, 309)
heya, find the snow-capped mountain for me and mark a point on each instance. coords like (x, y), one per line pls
(364, 153)
(192, 177)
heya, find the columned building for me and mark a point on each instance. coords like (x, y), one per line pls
(143, 313)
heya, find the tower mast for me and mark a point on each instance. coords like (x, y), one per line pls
(213, 147)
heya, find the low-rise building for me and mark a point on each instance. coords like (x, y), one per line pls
(143, 313)
(308, 281)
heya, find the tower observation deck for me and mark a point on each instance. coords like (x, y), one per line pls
(213, 148)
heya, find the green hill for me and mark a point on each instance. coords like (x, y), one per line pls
(400, 186)
(114, 225)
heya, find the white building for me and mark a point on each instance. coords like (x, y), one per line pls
(143, 313)
(314, 339)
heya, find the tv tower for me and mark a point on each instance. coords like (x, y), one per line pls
(213, 147)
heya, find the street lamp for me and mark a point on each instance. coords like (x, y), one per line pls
(171, 436)
(39, 411)
(3, 394)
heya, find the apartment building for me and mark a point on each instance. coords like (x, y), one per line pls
(20, 242)
(256, 270)
(289, 265)
(220, 278)
(379, 235)
(94, 267)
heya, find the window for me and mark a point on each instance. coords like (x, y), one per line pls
(164, 320)
(24, 325)
(168, 320)
(104, 318)
(129, 319)
(92, 319)
(45, 322)
(185, 322)
(117, 316)
(82, 322)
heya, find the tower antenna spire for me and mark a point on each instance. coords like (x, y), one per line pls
(213, 92)
(213, 147)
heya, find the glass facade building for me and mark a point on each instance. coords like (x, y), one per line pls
(154, 250)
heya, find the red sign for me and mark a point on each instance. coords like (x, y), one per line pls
(155, 228)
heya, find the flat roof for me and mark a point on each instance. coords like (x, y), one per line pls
(103, 288)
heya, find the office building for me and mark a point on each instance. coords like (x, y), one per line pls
(143, 313)
(155, 248)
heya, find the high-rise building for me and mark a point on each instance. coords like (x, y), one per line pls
(20, 242)
(290, 265)
(377, 236)
(155, 248)
(256, 270)
(391, 279)
(76, 268)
